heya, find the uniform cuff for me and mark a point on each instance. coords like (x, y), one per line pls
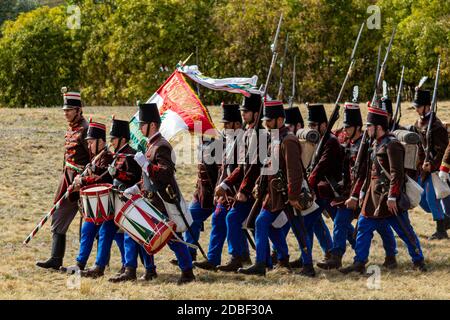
(224, 186)
(444, 168)
(392, 199)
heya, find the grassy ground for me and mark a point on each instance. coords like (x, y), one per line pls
(31, 156)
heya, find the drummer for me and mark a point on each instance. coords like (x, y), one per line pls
(97, 173)
(126, 173)
(159, 167)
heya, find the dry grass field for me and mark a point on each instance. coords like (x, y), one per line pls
(31, 155)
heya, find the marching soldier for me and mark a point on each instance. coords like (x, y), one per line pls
(97, 173)
(276, 196)
(326, 174)
(232, 124)
(158, 166)
(76, 157)
(243, 179)
(439, 138)
(347, 203)
(202, 204)
(126, 173)
(294, 121)
(382, 193)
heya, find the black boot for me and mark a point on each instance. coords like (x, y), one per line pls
(420, 265)
(231, 266)
(122, 270)
(355, 267)
(390, 262)
(128, 275)
(283, 264)
(245, 259)
(149, 274)
(297, 264)
(447, 222)
(308, 271)
(441, 232)
(94, 272)
(58, 250)
(332, 262)
(186, 277)
(72, 269)
(205, 265)
(259, 269)
(274, 257)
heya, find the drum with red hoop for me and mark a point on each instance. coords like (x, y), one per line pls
(98, 203)
(145, 224)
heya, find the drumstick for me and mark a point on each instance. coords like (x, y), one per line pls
(57, 204)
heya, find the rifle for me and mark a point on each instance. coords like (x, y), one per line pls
(292, 97)
(335, 114)
(432, 114)
(365, 142)
(257, 205)
(398, 105)
(377, 71)
(281, 86)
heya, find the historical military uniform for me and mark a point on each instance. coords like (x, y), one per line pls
(343, 229)
(223, 204)
(242, 179)
(126, 173)
(160, 169)
(385, 181)
(202, 204)
(284, 183)
(98, 173)
(439, 142)
(76, 157)
(328, 170)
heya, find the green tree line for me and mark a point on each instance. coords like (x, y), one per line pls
(123, 50)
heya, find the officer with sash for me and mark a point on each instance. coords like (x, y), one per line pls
(76, 157)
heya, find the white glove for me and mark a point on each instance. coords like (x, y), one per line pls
(112, 170)
(141, 160)
(132, 191)
(444, 176)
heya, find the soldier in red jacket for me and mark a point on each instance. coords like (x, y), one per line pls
(76, 157)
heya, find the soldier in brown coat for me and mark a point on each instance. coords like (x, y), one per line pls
(159, 166)
(284, 180)
(232, 124)
(242, 179)
(445, 177)
(76, 157)
(384, 199)
(439, 142)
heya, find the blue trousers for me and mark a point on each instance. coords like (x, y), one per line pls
(263, 231)
(311, 221)
(218, 235)
(343, 226)
(235, 235)
(119, 239)
(106, 232)
(182, 253)
(199, 215)
(321, 229)
(428, 202)
(367, 226)
(132, 250)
